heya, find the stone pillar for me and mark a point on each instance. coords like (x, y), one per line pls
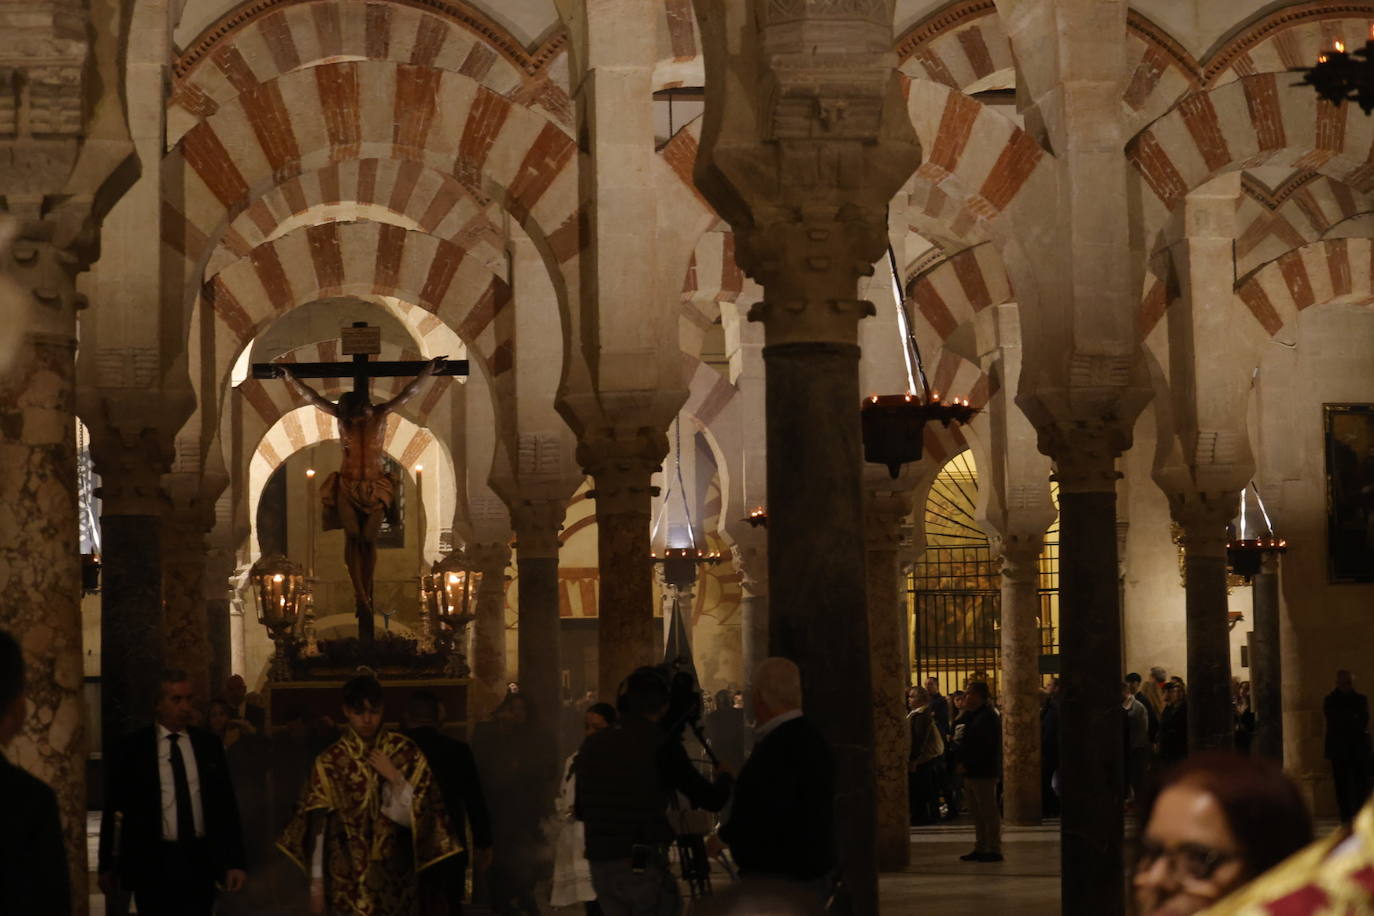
(1266, 661)
(1203, 518)
(489, 625)
(40, 566)
(539, 639)
(884, 513)
(186, 623)
(1090, 747)
(1020, 695)
(621, 469)
(749, 552)
(132, 653)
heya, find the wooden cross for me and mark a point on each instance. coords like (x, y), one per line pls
(360, 341)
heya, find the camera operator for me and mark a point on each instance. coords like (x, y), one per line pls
(626, 777)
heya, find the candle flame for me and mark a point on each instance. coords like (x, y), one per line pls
(1340, 46)
(419, 468)
(1321, 58)
(277, 578)
(310, 472)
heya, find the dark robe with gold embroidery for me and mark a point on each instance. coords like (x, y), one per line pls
(370, 862)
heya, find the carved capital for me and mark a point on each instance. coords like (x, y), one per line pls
(886, 517)
(131, 462)
(491, 559)
(1019, 553)
(749, 555)
(1203, 518)
(537, 524)
(1084, 454)
(621, 464)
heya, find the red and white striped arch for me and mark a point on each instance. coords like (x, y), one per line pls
(1257, 120)
(953, 292)
(713, 277)
(364, 260)
(964, 46)
(268, 402)
(405, 194)
(259, 42)
(1288, 37)
(306, 426)
(977, 157)
(304, 120)
(1335, 270)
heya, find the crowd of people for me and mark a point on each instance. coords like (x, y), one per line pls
(348, 816)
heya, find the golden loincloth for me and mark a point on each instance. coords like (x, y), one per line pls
(364, 496)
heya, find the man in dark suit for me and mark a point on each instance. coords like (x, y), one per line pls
(782, 825)
(33, 860)
(454, 769)
(171, 829)
(1347, 744)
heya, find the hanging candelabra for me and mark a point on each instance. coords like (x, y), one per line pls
(894, 424)
(1245, 555)
(1340, 76)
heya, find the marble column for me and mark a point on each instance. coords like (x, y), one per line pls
(185, 624)
(132, 652)
(1266, 661)
(1211, 713)
(621, 470)
(489, 624)
(884, 513)
(1020, 689)
(40, 565)
(539, 637)
(1090, 749)
(749, 552)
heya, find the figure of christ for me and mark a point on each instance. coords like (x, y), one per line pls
(360, 495)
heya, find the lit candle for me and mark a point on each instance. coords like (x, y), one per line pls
(310, 523)
(419, 517)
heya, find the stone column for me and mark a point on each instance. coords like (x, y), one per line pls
(1203, 518)
(801, 158)
(186, 623)
(884, 513)
(536, 557)
(621, 469)
(1266, 660)
(749, 552)
(132, 653)
(489, 625)
(40, 566)
(1020, 699)
(1090, 748)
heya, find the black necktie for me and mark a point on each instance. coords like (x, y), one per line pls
(186, 820)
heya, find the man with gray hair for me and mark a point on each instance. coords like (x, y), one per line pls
(782, 825)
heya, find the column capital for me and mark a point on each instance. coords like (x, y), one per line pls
(886, 519)
(749, 555)
(131, 462)
(1203, 517)
(1084, 454)
(491, 558)
(1020, 555)
(537, 524)
(621, 463)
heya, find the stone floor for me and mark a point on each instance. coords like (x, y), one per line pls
(937, 882)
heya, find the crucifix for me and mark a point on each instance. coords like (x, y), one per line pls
(360, 495)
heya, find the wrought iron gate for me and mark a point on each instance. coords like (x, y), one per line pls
(955, 590)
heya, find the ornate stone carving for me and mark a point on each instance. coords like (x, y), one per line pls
(621, 463)
(537, 524)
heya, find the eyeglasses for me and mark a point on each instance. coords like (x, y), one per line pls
(1188, 860)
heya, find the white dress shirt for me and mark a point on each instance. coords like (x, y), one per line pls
(169, 792)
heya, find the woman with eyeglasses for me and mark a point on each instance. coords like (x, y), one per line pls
(1216, 821)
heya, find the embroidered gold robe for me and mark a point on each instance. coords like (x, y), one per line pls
(1328, 878)
(370, 862)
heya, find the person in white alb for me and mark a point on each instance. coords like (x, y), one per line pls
(170, 832)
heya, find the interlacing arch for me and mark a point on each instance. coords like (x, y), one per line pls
(1289, 37)
(304, 120)
(362, 260)
(254, 45)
